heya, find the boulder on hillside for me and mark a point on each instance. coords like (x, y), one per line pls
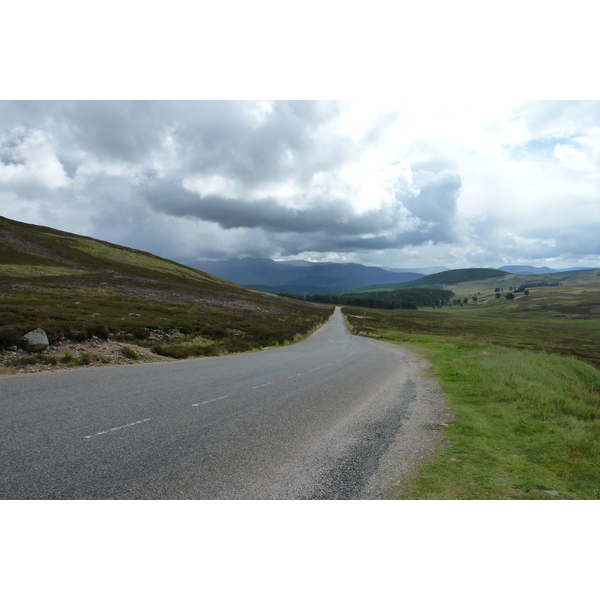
(36, 340)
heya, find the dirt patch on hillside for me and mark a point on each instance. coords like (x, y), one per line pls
(91, 353)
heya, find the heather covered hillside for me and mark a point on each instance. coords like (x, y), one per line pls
(78, 288)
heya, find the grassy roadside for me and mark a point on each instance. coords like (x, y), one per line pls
(526, 423)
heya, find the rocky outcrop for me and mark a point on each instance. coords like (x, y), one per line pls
(36, 340)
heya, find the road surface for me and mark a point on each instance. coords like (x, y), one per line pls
(314, 420)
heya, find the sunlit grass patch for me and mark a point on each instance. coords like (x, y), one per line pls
(523, 420)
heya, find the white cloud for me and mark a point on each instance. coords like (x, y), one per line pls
(28, 158)
(574, 158)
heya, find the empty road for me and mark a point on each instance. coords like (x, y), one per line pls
(314, 420)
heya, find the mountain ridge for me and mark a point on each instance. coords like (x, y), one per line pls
(291, 277)
(531, 270)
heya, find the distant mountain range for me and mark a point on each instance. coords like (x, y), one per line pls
(306, 278)
(529, 270)
(299, 276)
(421, 270)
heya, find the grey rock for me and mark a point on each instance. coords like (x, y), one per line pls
(36, 340)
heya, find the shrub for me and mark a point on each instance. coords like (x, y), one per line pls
(87, 358)
(129, 353)
(238, 345)
(185, 350)
(82, 336)
(101, 331)
(67, 358)
(9, 336)
(214, 331)
(140, 333)
(24, 360)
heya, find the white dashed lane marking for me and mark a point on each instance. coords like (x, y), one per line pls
(115, 428)
(213, 400)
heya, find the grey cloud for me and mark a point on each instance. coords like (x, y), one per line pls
(227, 139)
(437, 197)
(126, 131)
(331, 216)
(325, 224)
(231, 139)
(69, 166)
(582, 239)
(27, 114)
(121, 131)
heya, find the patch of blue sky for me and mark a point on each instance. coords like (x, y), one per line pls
(542, 147)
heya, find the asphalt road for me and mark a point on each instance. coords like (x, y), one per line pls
(308, 421)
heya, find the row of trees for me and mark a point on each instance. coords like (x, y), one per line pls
(408, 299)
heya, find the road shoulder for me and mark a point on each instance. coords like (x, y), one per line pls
(420, 435)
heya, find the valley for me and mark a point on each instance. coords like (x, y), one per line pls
(517, 354)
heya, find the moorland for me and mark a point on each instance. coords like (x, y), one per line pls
(85, 292)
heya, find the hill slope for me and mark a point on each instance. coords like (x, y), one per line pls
(449, 277)
(75, 287)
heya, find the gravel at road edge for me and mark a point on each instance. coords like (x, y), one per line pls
(420, 435)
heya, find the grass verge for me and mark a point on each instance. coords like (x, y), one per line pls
(526, 424)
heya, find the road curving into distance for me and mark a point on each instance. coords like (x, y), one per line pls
(315, 420)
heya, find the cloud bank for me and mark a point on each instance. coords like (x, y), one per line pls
(398, 186)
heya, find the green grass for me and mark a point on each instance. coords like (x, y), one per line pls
(526, 422)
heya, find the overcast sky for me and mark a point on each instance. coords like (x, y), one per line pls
(396, 184)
